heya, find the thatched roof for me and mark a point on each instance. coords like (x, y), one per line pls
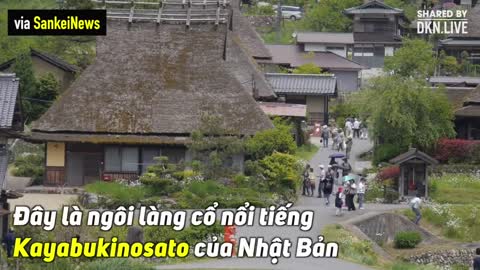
(247, 34)
(149, 80)
(458, 96)
(473, 26)
(246, 70)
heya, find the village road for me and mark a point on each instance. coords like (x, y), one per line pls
(323, 216)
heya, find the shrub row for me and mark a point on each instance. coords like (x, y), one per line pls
(457, 151)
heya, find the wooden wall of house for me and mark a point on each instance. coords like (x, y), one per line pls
(54, 164)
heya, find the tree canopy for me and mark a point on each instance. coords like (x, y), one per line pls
(309, 68)
(406, 112)
(414, 59)
(327, 16)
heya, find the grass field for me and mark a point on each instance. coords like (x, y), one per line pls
(455, 189)
(455, 212)
(362, 252)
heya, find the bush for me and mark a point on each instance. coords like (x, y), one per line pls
(116, 194)
(260, 10)
(201, 194)
(385, 152)
(455, 150)
(278, 139)
(407, 239)
(191, 234)
(163, 178)
(391, 195)
(475, 154)
(282, 173)
(391, 172)
(29, 165)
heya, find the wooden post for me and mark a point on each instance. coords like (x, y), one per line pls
(189, 11)
(160, 7)
(426, 182)
(132, 10)
(401, 182)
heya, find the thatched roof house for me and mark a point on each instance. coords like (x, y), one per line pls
(466, 104)
(142, 97)
(456, 44)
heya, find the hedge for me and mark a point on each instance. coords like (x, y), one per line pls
(456, 151)
(407, 239)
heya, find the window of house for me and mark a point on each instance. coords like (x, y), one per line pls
(363, 51)
(121, 159)
(148, 157)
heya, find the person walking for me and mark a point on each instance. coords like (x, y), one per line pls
(321, 177)
(311, 182)
(335, 139)
(325, 135)
(476, 260)
(348, 127)
(363, 130)
(416, 203)
(305, 180)
(9, 242)
(341, 140)
(362, 187)
(327, 187)
(356, 129)
(350, 195)
(346, 167)
(339, 199)
(348, 147)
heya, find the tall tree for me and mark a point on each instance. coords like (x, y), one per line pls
(407, 112)
(327, 16)
(28, 84)
(46, 92)
(414, 59)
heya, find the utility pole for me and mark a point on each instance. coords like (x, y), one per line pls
(279, 19)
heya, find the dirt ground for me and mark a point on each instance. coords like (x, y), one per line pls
(47, 201)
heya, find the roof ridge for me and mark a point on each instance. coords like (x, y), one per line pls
(293, 74)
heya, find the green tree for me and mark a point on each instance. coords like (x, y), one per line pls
(409, 7)
(278, 139)
(28, 84)
(414, 59)
(78, 4)
(407, 112)
(214, 145)
(46, 92)
(282, 173)
(327, 16)
(309, 68)
(448, 64)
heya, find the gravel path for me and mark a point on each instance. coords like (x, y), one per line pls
(323, 216)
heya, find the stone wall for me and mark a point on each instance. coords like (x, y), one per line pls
(445, 258)
(383, 228)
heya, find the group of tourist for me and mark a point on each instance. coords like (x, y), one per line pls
(342, 140)
(346, 191)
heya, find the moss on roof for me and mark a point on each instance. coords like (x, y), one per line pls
(150, 79)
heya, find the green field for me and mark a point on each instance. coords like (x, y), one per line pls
(455, 189)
